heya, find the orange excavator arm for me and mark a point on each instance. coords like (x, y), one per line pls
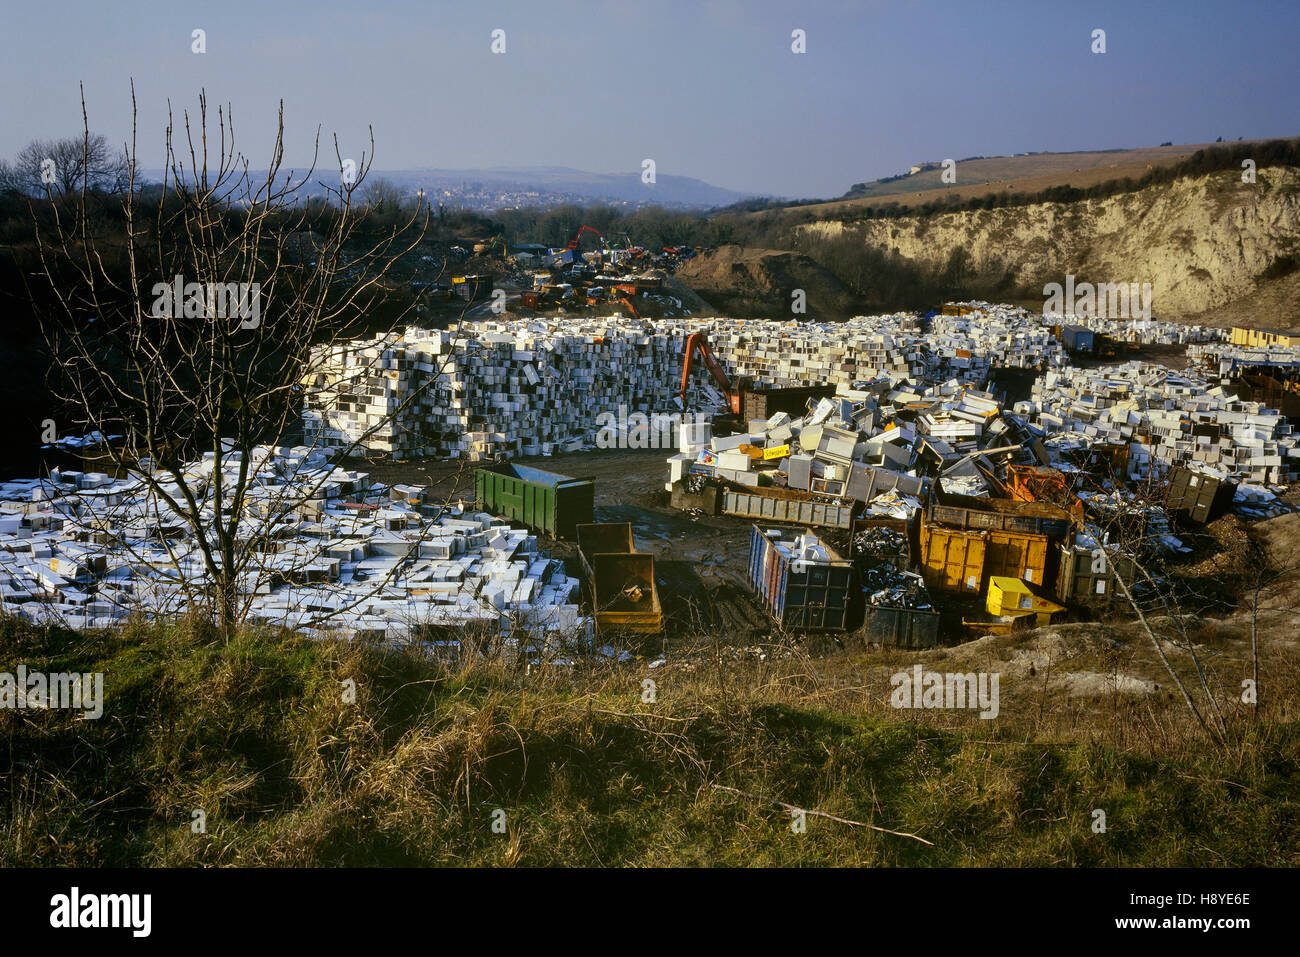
(696, 341)
(573, 243)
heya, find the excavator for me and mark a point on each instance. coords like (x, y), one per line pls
(584, 228)
(697, 341)
(626, 303)
(485, 247)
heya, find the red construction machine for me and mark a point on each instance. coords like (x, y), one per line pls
(697, 342)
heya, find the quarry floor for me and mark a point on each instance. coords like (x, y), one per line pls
(700, 563)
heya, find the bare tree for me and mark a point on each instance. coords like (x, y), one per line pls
(191, 332)
(1165, 607)
(383, 196)
(65, 166)
(1270, 600)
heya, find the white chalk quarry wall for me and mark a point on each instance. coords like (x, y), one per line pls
(1201, 242)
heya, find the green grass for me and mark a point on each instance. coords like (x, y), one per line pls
(256, 734)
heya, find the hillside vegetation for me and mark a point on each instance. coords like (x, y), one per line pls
(259, 736)
(1024, 173)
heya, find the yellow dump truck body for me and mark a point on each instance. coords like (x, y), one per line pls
(1012, 597)
(953, 561)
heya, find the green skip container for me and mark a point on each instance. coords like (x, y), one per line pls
(543, 501)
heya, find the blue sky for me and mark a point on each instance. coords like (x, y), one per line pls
(708, 88)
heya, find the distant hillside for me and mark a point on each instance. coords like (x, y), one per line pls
(1215, 249)
(667, 190)
(486, 190)
(1029, 173)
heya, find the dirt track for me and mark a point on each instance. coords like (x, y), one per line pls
(700, 564)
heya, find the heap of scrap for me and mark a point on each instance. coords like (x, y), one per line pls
(333, 552)
(1052, 497)
(536, 386)
(876, 445)
(1167, 418)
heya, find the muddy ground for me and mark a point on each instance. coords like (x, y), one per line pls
(701, 563)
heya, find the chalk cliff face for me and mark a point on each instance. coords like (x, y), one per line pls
(1201, 242)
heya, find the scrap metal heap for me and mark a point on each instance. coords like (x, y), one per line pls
(1224, 358)
(874, 444)
(535, 386)
(333, 552)
(1055, 491)
(916, 451)
(881, 553)
(879, 442)
(1143, 331)
(1168, 418)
